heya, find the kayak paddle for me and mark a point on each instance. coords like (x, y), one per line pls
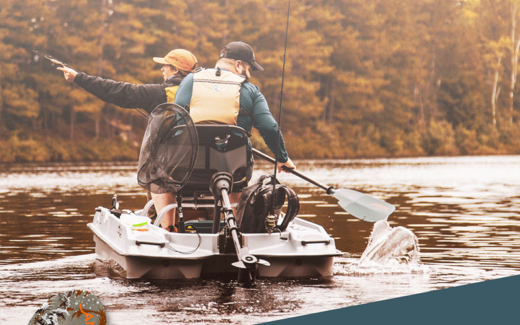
(361, 206)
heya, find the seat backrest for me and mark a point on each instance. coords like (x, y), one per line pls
(222, 148)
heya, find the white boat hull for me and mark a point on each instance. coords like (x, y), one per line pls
(304, 249)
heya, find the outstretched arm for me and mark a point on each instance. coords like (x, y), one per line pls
(123, 94)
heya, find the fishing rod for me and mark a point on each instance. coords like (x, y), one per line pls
(53, 59)
(58, 62)
(361, 206)
(273, 180)
(281, 100)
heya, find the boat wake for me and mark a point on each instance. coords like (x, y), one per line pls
(75, 265)
(352, 266)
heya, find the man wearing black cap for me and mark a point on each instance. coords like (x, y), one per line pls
(225, 95)
(240, 51)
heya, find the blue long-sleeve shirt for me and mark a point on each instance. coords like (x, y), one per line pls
(251, 100)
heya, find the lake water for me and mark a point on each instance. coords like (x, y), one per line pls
(464, 210)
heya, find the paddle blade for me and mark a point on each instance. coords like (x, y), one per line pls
(363, 206)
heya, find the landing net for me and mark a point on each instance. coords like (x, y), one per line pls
(169, 150)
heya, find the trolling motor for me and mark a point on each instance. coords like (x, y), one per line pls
(220, 186)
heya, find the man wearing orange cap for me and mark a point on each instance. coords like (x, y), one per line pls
(176, 65)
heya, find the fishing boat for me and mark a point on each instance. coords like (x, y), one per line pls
(203, 164)
(145, 250)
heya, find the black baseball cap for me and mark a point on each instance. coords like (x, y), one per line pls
(240, 51)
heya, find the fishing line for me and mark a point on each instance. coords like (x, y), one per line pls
(280, 111)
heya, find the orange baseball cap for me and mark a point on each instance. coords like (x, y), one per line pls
(179, 58)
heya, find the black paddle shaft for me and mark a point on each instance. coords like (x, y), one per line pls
(326, 187)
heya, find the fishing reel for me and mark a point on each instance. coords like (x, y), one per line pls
(270, 222)
(260, 207)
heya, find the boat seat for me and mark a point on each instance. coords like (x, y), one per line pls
(222, 148)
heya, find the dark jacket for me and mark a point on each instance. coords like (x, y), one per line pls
(125, 94)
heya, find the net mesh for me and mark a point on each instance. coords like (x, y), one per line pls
(169, 150)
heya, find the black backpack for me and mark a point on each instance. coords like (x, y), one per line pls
(256, 204)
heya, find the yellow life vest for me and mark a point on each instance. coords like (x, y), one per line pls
(170, 93)
(216, 97)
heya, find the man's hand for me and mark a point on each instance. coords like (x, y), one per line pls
(68, 73)
(288, 164)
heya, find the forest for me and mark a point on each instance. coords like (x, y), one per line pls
(363, 78)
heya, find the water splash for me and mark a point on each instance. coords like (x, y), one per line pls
(390, 246)
(389, 250)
